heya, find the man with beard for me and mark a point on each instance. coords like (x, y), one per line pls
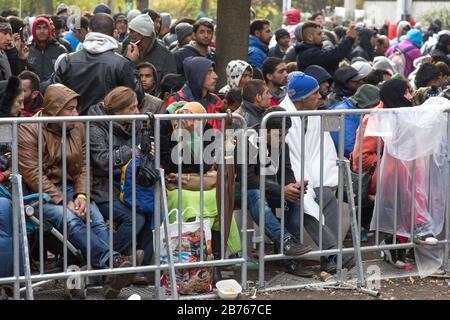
(202, 35)
(275, 74)
(33, 99)
(259, 39)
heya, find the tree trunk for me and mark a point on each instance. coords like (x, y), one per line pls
(233, 21)
(205, 6)
(142, 4)
(47, 6)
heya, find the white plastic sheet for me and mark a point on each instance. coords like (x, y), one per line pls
(416, 139)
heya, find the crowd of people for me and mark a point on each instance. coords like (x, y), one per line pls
(125, 64)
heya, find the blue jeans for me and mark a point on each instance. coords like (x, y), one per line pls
(77, 231)
(123, 236)
(272, 226)
(6, 240)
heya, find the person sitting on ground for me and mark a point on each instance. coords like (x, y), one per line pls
(255, 101)
(394, 93)
(201, 80)
(33, 98)
(303, 95)
(325, 81)
(120, 101)
(60, 101)
(346, 81)
(11, 101)
(275, 75)
(232, 100)
(310, 51)
(171, 83)
(238, 73)
(366, 97)
(290, 245)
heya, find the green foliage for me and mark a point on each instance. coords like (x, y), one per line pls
(443, 14)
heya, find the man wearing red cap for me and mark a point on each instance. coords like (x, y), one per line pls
(44, 50)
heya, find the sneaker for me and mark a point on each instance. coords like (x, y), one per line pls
(292, 247)
(298, 269)
(329, 264)
(428, 239)
(424, 235)
(396, 257)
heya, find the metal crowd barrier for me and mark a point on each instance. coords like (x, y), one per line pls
(329, 121)
(333, 120)
(12, 125)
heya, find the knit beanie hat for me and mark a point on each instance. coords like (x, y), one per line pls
(415, 36)
(132, 14)
(143, 25)
(319, 73)
(280, 33)
(102, 8)
(301, 86)
(183, 30)
(367, 95)
(61, 8)
(235, 70)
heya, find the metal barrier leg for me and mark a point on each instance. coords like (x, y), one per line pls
(17, 184)
(345, 166)
(173, 279)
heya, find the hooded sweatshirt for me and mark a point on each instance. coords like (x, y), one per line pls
(364, 48)
(43, 54)
(96, 43)
(293, 20)
(195, 71)
(400, 26)
(235, 69)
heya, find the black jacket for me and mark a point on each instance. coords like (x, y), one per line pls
(42, 62)
(93, 76)
(276, 52)
(273, 181)
(189, 51)
(252, 114)
(162, 59)
(308, 54)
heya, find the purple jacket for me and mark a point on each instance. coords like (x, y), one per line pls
(410, 56)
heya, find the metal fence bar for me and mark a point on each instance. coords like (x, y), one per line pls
(64, 186)
(340, 199)
(360, 172)
(322, 151)
(447, 211)
(16, 211)
(222, 193)
(202, 190)
(283, 181)
(111, 198)
(133, 191)
(157, 217)
(41, 203)
(377, 229)
(88, 195)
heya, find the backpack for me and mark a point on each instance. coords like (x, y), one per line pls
(399, 59)
(144, 194)
(146, 177)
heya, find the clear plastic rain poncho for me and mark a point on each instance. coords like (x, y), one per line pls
(416, 139)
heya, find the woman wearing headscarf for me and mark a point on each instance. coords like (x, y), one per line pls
(193, 138)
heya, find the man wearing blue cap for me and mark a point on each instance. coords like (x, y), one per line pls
(303, 95)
